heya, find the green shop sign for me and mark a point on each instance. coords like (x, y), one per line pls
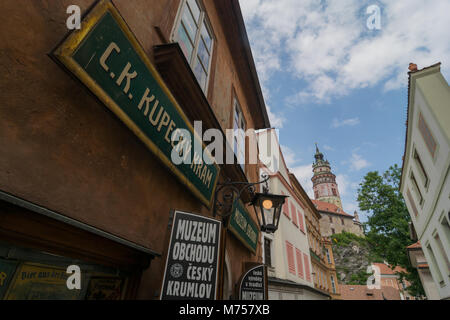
(106, 56)
(243, 227)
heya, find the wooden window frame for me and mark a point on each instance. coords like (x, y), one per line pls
(290, 257)
(203, 19)
(237, 104)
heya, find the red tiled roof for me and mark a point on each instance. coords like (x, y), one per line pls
(416, 245)
(385, 269)
(329, 207)
(361, 292)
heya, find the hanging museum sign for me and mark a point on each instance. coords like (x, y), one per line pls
(192, 262)
(106, 57)
(243, 227)
(253, 284)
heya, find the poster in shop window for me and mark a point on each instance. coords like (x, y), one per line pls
(193, 258)
(33, 281)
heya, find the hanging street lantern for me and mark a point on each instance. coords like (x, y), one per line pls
(268, 210)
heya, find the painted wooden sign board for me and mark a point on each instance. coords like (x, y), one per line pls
(253, 284)
(106, 57)
(192, 262)
(243, 227)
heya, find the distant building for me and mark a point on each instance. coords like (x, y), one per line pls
(391, 278)
(322, 259)
(334, 220)
(286, 252)
(425, 181)
(362, 292)
(328, 201)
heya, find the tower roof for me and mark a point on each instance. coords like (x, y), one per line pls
(320, 159)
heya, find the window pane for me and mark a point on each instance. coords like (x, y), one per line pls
(185, 43)
(200, 74)
(206, 37)
(203, 54)
(192, 4)
(190, 24)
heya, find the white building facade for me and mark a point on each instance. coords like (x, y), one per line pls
(286, 252)
(425, 183)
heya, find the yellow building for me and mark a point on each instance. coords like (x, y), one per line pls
(322, 260)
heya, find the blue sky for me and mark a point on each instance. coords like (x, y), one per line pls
(328, 78)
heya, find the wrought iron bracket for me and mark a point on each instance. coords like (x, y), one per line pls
(228, 194)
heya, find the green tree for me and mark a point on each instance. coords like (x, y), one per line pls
(387, 227)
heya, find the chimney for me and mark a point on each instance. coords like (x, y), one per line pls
(412, 67)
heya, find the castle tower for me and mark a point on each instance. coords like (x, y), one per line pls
(324, 181)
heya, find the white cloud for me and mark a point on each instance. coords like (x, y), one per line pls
(328, 148)
(343, 184)
(350, 207)
(328, 45)
(304, 175)
(357, 162)
(336, 123)
(289, 156)
(276, 120)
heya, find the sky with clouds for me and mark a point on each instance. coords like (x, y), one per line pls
(327, 78)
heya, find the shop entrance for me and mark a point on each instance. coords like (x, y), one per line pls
(36, 251)
(28, 274)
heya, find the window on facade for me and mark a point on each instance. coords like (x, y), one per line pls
(195, 39)
(333, 284)
(328, 255)
(442, 252)
(294, 214)
(239, 134)
(342, 221)
(416, 189)
(316, 194)
(290, 257)
(267, 252)
(331, 219)
(434, 266)
(306, 263)
(300, 221)
(334, 191)
(445, 227)
(298, 255)
(421, 168)
(332, 231)
(427, 135)
(411, 202)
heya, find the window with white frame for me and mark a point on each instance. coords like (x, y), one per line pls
(333, 285)
(239, 128)
(193, 33)
(328, 255)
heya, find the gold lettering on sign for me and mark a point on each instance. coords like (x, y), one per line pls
(106, 54)
(3, 277)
